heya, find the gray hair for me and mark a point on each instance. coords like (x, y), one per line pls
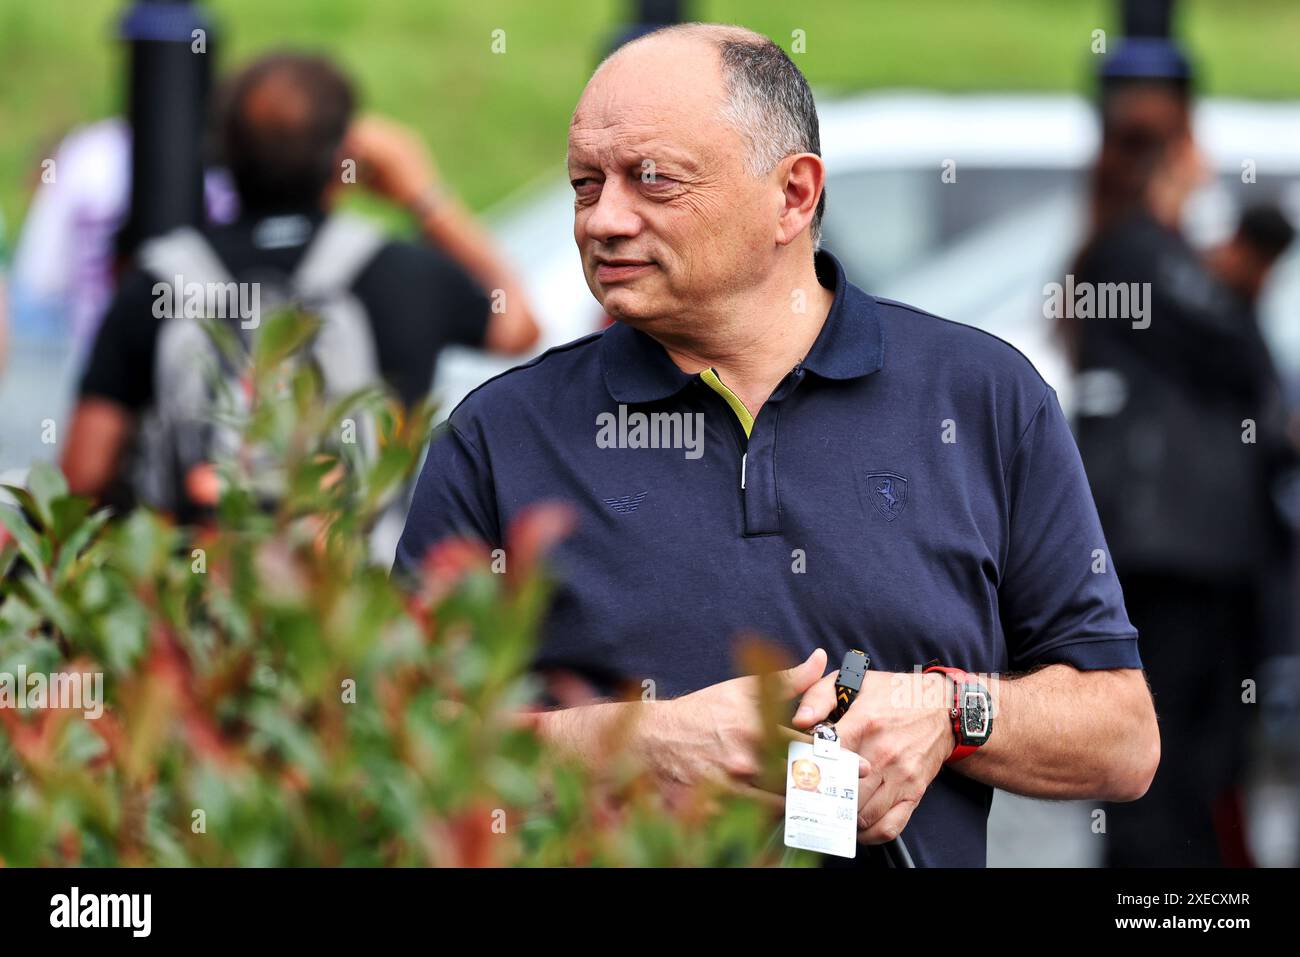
(768, 101)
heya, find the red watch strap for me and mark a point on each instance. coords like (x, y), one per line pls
(961, 751)
(958, 677)
(956, 674)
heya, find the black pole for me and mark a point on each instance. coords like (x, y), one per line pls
(169, 76)
(659, 13)
(646, 17)
(1147, 18)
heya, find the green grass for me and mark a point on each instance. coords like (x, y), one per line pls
(496, 122)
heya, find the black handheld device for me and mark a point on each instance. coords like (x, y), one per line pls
(849, 682)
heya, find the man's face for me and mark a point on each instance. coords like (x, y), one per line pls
(666, 217)
(807, 776)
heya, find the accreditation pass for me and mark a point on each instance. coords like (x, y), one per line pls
(821, 798)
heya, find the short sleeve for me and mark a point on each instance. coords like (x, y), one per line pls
(1060, 599)
(453, 497)
(466, 308)
(120, 365)
(419, 300)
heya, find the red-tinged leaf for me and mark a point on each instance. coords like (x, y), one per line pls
(533, 533)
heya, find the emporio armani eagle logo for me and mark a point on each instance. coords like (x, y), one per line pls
(625, 503)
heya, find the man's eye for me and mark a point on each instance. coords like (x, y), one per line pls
(585, 190)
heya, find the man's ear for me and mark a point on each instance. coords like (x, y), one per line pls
(802, 178)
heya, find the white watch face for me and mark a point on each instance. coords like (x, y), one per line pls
(975, 713)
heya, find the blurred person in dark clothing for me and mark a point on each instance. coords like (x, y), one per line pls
(291, 145)
(1180, 433)
(1243, 264)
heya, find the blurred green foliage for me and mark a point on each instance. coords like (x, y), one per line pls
(499, 122)
(263, 671)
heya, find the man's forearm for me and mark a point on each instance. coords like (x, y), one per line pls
(449, 225)
(590, 733)
(1063, 733)
(511, 329)
(98, 434)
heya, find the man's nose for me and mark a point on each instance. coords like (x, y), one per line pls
(614, 216)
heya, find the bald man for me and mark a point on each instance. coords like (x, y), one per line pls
(758, 446)
(806, 774)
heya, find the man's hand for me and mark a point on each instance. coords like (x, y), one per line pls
(715, 732)
(391, 160)
(899, 726)
(711, 734)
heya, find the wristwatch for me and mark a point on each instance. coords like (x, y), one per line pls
(971, 711)
(849, 681)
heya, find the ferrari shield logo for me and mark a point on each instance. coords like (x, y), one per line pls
(888, 493)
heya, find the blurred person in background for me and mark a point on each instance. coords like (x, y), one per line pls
(291, 146)
(65, 258)
(1243, 264)
(1182, 483)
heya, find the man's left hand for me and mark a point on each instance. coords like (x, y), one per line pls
(898, 724)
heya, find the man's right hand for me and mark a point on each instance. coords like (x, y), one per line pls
(714, 733)
(391, 159)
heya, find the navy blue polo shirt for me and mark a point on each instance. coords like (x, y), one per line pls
(911, 488)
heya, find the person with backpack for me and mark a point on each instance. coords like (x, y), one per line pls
(386, 307)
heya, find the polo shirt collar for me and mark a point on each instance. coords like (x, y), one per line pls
(638, 369)
(849, 345)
